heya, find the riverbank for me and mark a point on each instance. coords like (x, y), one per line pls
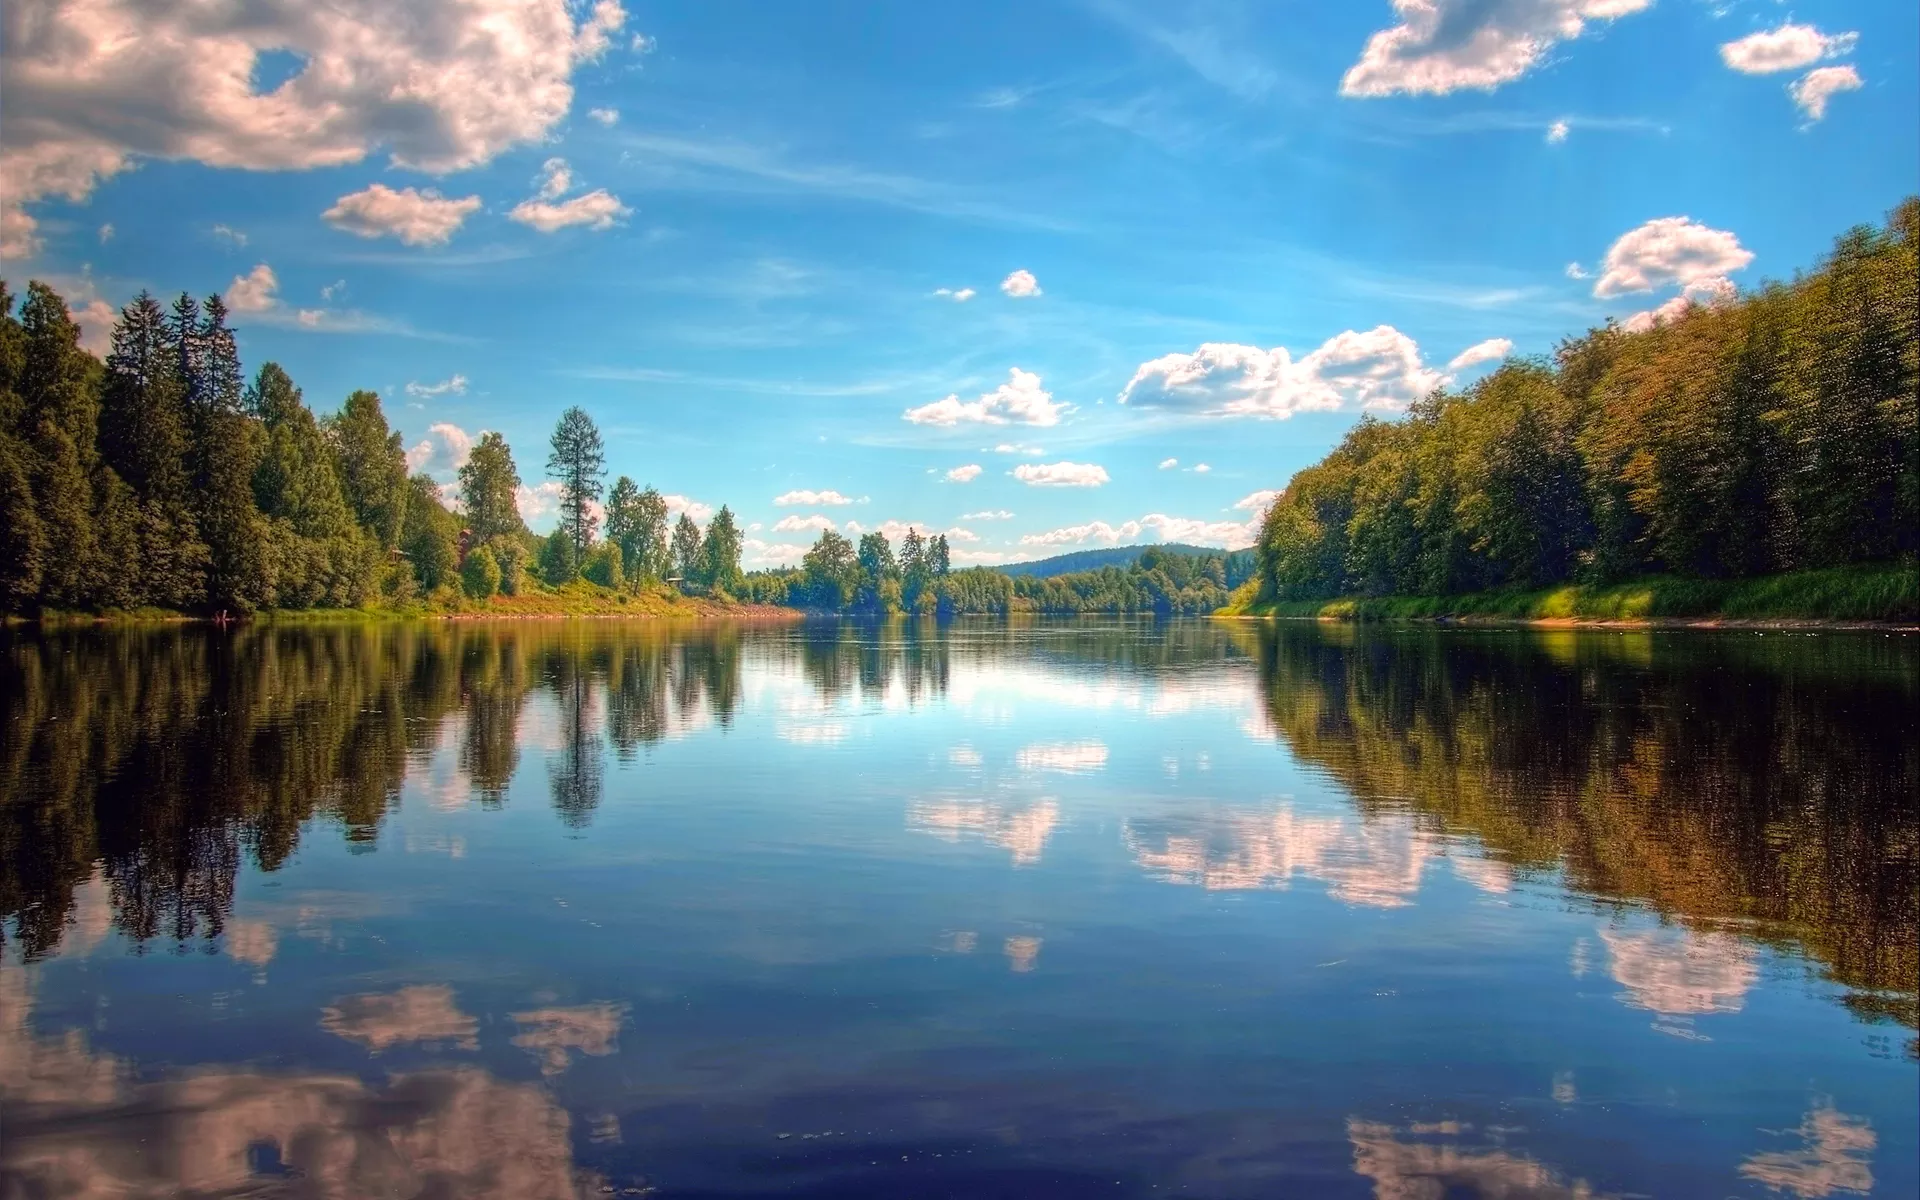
(581, 600)
(1866, 595)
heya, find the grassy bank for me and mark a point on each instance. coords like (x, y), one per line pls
(1887, 591)
(578, 599)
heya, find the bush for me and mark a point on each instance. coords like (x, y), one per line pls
(480, 574)
(556, 559)
(511, 554)
(603, 566)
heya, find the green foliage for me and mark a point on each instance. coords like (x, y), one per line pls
(1775, 433)
(489, 487)
(557, 563)
(510, 553)
(372, 466)
(603, 566)
(429, 535)
(480, 574)
(720, 552)
(687, 559)
(831, 572)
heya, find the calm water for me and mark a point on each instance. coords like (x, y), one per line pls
(1075, 909)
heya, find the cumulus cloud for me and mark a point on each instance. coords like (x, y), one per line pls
(1576, 271)
(445, 448)
(1787, 48)
(1441, 46)
(254, 292)
(1020, 285)
(1018, 448)
(804, 496)
(606, 116)
(106, 233)
(1491, 350)
(598, 209)
(677, 504)
(965, 474)
(1168, 464)
(1557, 132)
(1231, 535)
(1061, 474)
(1019, 401)
(93, 88)
(418, 217)
(1715, 289)
(536, 501)
(1380, 368)
(1201, 468)
(1812, 90)
(95, 319)
(230, 234)
(1258, 502)
(556, 179)
(1668, 251)
(991, 514)
(795, 523)
(957, 295)
(756, 553)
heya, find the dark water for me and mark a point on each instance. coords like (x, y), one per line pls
(1076, 909)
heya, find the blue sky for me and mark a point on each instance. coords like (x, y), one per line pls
(737, 234)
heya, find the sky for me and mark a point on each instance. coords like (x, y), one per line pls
(1041, 276)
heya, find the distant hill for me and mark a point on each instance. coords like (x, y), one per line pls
(1093, 560)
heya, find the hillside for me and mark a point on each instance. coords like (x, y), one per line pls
(1093, 560)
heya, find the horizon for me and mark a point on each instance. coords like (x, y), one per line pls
(1043, 281)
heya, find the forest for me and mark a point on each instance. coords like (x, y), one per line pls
(161, 479)
(1775, 432)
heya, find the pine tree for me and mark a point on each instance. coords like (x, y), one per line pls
(326, 558)
(23, 539)
(59, 424)
(224, 444)
(623, 524)
(939, 558)
(489, 490)
(143, 438)
(578, 461)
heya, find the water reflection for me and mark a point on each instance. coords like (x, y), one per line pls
(1055, 897)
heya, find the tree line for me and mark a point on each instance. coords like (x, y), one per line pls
(160, 477)
(1772, 433)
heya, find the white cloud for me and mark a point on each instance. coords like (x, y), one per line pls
(556, 179)
(991, 514)
(1060, 474)
(17, 239)
(1557, 132)
(418, 217)
(106, 233)
(537, 500)
(810, 498)
(957, 295)
(1667, 251)
(1201, 468)
(1230, 535)
(1708, 292)
(336, 288)
(795, 523)
(1811, 90)
(1576, 271)
(1020, 400)
(598, 209)
(1168, 464)
(1787, 48)
(966, 474)
(1491, 350)
(1258, 502)
(230, 234)
(642, 44)
(445, 448)
(456, 384)
(95, 319)
(1379, 368)
(757, 553)
(1020, 285)
(606, 116)
(1442, 46)
(1018, 448)
(93, 87)
(254, 291)
(677, 504)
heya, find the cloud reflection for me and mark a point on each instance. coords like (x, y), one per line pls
(1677, 972)
(1024, 831)
(1838, 1157)
(550, 1033)
(1403, 1168)
(378, 1020)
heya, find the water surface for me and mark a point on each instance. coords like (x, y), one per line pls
(1089, 908)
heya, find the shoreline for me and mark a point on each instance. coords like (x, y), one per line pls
(1755, 624)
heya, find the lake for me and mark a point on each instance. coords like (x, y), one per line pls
(1052, 909)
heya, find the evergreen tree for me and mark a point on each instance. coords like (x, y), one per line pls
(372, 466)
(557, 564)
(622, 522)
(720, 552)
(324, 557)
(939, 559)
(223, 447)
(686, 550)
(578, 461)
(489, 490)
(143, 438)
(59, 427)
(23, 539)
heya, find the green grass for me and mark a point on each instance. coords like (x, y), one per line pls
(1886, 591)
